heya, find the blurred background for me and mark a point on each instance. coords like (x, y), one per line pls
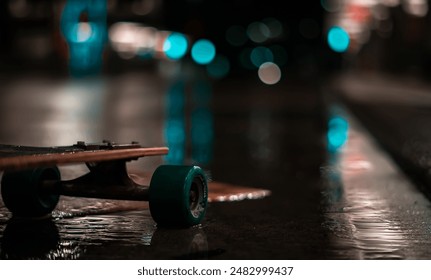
(279, 95)
(305, 38)
(121, 35)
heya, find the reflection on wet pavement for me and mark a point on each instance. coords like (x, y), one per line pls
(81, 222)
(263, 154)
(364, 196)
(63, 112)
(70, 238)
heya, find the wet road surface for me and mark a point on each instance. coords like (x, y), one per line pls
(396, 110)
(372, 208)
(334, 193)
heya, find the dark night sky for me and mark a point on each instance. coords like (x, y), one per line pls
(217, 15)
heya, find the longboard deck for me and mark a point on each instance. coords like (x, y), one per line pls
(24, 157)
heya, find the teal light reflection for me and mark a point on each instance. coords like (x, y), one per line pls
(86, 40)
(337, 134)
(175, 126)
(202, 133)
(189, 129)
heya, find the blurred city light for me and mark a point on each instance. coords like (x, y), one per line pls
(275, 27)
(258, 32)
(260, 55)
(203, 51)
(86, 40)
(159, 43)
(338, 39)
(354, 22)
(416, 7)
(219, 67)
(269, 73)
(175, 46)
(131, 39)
(81, 32)
(332, 5)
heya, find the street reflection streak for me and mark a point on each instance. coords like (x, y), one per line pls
(358, 211)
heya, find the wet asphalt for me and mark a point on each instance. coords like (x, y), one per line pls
(336, 193)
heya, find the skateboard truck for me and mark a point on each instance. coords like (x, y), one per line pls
(177, 194)
(105, 145)
(108, 180)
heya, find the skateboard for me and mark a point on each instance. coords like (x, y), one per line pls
(31, 184)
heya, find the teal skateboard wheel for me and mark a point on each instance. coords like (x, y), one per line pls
(22, 194)
(178, 195)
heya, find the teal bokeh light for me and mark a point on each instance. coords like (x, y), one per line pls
(338, 39)
(219, 67)
(86, 40)
(203, 51)
(260, 55)
(175, 46)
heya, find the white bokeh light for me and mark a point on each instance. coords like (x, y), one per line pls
(269, 73)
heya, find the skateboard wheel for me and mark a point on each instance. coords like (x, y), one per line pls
(22, 195)
(178, 195)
